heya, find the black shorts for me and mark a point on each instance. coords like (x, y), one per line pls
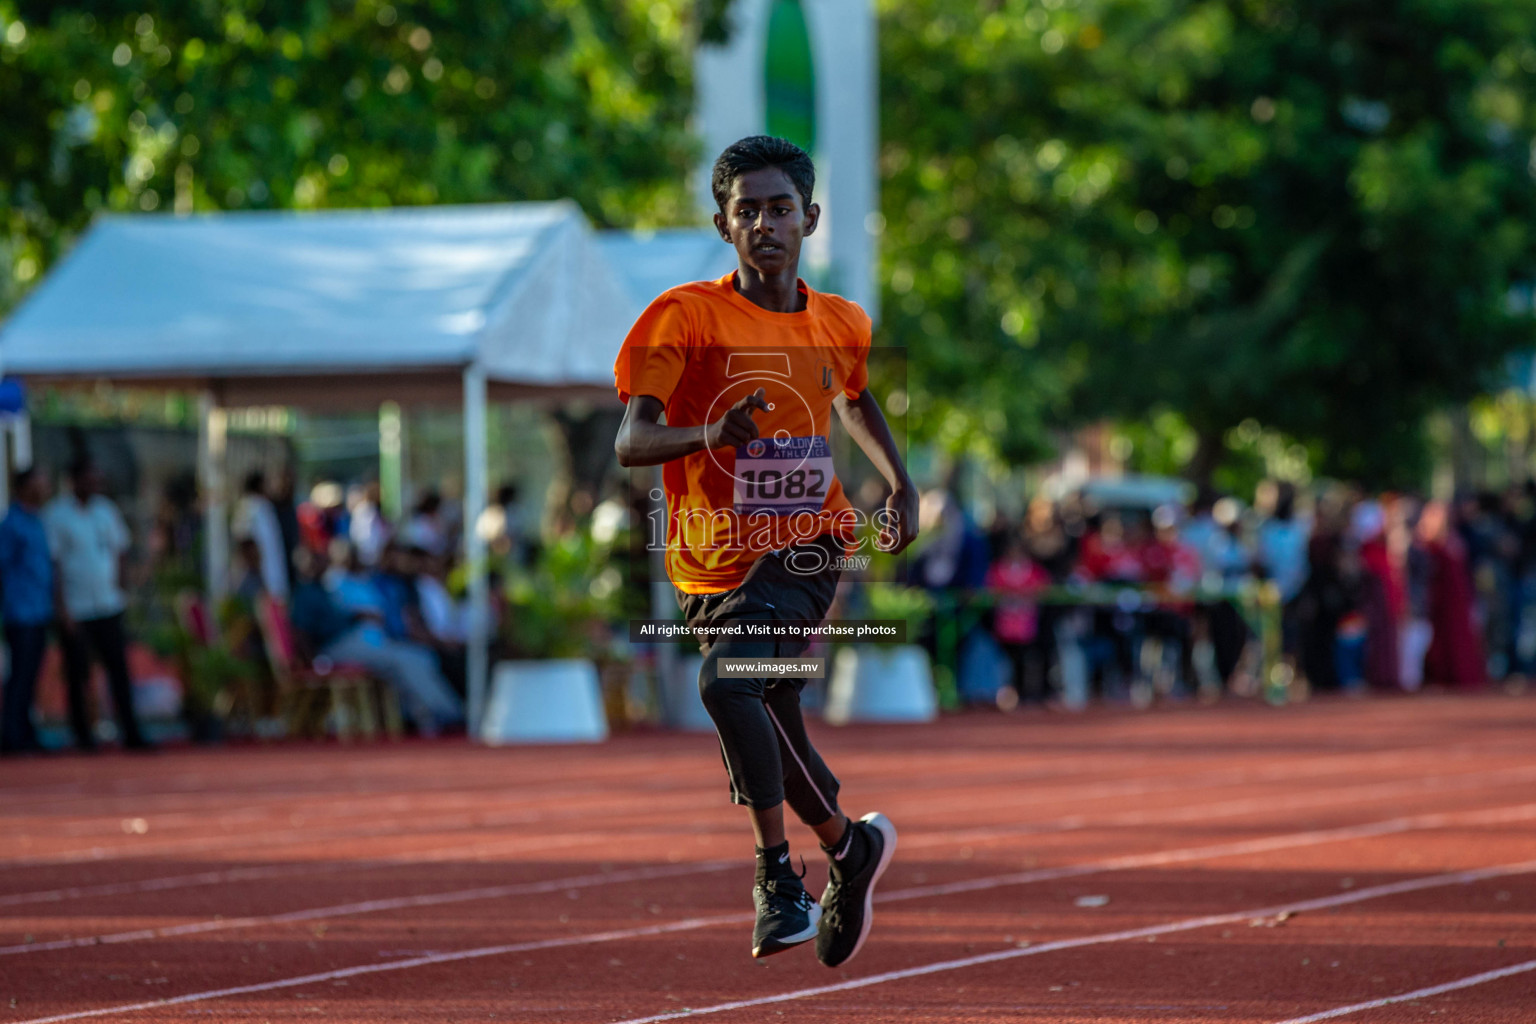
(796, 584)
(768, 756)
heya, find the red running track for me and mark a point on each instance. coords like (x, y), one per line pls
(1370, 861)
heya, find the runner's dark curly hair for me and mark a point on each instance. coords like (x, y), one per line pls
(755, 152)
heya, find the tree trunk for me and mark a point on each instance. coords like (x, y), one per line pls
(1207, 458)
(586, 458)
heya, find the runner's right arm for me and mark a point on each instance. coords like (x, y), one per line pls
(644, 441)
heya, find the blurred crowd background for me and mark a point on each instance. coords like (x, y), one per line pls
(1271, 264)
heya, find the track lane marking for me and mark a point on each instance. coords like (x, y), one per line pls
(489, 892)
(1200, 812)
(298, 835)
(1291, 840)
(1150, 931)
(1421, 993)
(518, 811)
(691, 924)
(1041, 874)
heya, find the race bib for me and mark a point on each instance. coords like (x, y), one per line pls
(783, 475)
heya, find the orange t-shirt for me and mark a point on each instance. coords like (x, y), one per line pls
(699, 349)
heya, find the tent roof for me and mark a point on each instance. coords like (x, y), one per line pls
(650, 262)
(523, 288)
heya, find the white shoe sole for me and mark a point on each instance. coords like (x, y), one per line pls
(888, 831)
(793, 940)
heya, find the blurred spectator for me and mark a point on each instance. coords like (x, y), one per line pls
(368, 530)
(955, 558)
(1016, 580)
(250, 584)
(426, 529)
(1324, 609)
(347, 626)
(1522, 518)
(285, 505)
(1111, 549)
(1455, 654)
(445, 619)
(1213, 533)
(500, 526)
(89, 542)
(1046, 541)
(1417, 570)
(1166, 559)
(1222, 556)
(1382, 595)
(1490, 552)
(322, 518)
(1282, 540)
(395, 580)
(256, 519)
(26, 604)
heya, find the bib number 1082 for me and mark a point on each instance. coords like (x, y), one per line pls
(772, 483)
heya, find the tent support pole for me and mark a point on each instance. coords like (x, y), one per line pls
(21, 441)
(212, 452)
(391, 485)
(478, 653)
(19, 429)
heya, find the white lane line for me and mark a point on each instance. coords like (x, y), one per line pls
(693, 924)
(1152, 931)
(1128, 862)
(491, 892)
(1046, 874)
(1202, 812)
(474, 852)
(1089, 791)
(400, 826)
(1422, 993)
(522, 811)
(1240, 848)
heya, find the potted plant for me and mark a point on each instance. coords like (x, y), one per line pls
(885, 682)
(557, 626)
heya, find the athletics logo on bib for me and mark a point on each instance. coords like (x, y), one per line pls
(783, 476)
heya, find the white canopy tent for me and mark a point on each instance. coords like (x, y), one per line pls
(414, 305)
(650, 262)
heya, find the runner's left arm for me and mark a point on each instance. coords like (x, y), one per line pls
(866, 424)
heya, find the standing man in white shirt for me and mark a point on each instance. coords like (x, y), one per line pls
(256, 519)
(89, 541)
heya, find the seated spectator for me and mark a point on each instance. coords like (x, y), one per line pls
(445, 619)
(347, 625)
(426, 529)
(249, 565)
(395, 580)
(366, 526)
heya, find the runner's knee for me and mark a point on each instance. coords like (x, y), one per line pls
(720, 691)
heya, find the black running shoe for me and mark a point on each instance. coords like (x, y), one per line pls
(847, 905)
(786, 915)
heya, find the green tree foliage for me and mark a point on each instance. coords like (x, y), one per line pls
(143, 105)
(1307, 213)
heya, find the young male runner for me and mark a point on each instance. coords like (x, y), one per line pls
(747, 370)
